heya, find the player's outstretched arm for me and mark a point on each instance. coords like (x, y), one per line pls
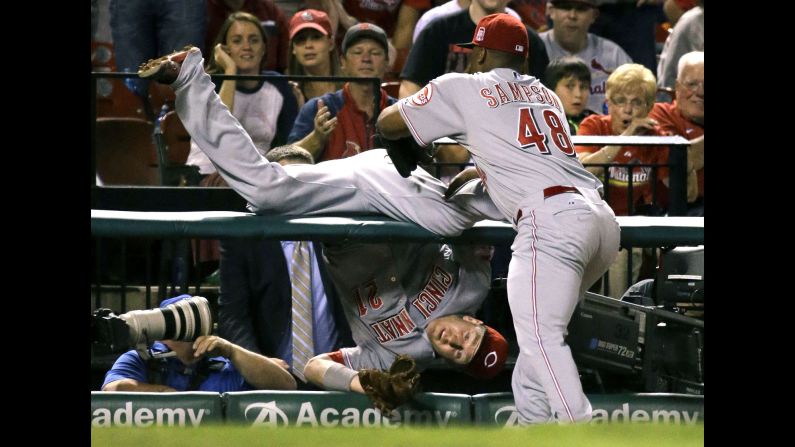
(324, 372)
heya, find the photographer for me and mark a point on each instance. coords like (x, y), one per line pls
(209, 363)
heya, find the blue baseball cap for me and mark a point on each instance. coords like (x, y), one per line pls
(176, 299)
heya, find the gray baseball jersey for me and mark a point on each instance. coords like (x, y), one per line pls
(391, 291)
(365, 183)
(601, 55)
(567, 236)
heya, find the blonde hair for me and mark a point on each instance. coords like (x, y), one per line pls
(632, 77)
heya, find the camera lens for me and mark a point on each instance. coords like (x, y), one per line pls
(184, 320)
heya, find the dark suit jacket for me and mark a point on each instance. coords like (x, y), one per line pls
(255, 302)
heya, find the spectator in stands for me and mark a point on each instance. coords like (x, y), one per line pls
(341, 124)
(571, 80)
(254, 308)
(143, 29)
(273, 21)
(435, 52)
(209, 363)
(265, 108)
(446, 9)
(630, 96)
(685, 117)
(569, 36)
(312, 53)
(686, 36)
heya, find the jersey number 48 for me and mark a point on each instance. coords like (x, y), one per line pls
(529, 135)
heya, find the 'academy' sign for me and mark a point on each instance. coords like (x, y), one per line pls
(508, 417)
(144, 417)
(269, 414)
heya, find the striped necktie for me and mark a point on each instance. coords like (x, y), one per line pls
(303, 348)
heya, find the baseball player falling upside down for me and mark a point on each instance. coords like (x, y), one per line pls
(392, 312)
(567, 236)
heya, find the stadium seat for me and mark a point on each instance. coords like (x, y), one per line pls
(125, 152)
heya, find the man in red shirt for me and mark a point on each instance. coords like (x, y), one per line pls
(685, 117)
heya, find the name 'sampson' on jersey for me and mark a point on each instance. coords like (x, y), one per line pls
(508, 92)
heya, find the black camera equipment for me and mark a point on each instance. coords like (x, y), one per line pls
(184, 320)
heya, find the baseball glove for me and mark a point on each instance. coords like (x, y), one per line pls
(391, 389)
(404, 152)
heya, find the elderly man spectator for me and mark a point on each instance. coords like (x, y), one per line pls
(685, 117)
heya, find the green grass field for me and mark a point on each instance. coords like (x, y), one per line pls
(612, 435)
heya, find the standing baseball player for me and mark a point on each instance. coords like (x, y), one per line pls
(567, 237)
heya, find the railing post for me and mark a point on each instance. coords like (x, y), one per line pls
(677, 158)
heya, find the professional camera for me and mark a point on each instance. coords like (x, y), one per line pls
(184, 320)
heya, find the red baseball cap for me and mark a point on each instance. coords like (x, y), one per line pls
(491, 355)
(502, 32)
(310, 18)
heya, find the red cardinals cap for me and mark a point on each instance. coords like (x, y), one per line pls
(310, 18)
(502, 32)
(491, 356)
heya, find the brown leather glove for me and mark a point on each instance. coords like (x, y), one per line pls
(391, 389)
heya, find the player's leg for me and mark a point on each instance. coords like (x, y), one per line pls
(544, 282)
(532, 404)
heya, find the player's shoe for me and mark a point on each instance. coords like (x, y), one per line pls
(164, 69)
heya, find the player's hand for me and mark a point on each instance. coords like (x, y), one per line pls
(212, 346)
(223, 59)
(640, 126)
(324, 123)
